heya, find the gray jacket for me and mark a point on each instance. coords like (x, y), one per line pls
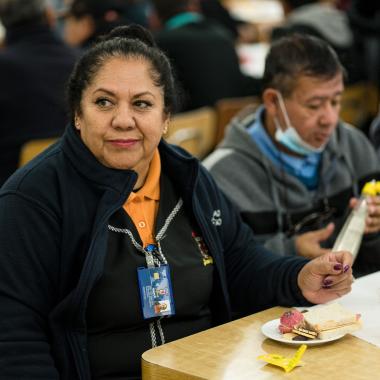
(330, 22)
(271, 200)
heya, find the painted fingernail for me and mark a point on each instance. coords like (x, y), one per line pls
(338, 266)
(327, 282)
(346, 268)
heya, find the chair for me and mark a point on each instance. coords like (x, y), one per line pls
(32, 148)
(359, 103)
(194, 131)
(227, 108)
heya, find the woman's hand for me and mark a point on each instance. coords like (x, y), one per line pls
(326, 277)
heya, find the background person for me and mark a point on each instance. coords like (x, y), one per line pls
(322, 19)
(364, 18)
(34, 66)
(203, 54)
(86, 20)
(293, 167)
(79, 222)
(243, 32)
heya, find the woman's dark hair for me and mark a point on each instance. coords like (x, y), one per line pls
(133, 41)
(299, 55)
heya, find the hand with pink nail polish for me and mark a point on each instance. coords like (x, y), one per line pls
(327, 277)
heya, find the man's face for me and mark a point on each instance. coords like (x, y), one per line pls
(313, 108)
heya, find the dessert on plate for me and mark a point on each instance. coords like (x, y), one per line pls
(321, 322)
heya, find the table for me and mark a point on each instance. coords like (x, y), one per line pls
(229, 352)
(365, 299)
(256, 11)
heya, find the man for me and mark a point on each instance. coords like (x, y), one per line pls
(34, 66)
(293, 167)
(203, 54)
(322, 19)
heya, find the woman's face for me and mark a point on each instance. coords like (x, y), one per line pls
(122, 115)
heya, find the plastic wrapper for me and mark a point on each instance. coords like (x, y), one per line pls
(287, 364)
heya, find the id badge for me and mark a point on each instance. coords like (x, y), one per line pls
(156, 292)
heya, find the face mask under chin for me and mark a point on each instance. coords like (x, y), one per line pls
(290, 137)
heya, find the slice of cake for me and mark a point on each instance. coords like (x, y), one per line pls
(331, 320)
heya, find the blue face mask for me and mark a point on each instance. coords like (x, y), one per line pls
(290, 137)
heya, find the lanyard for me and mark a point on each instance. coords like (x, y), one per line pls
(153, 255)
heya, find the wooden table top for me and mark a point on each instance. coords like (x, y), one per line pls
(230, 352)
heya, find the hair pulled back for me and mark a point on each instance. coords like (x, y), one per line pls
(133, 32)
(133, 41)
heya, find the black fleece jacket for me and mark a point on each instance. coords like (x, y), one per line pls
(34, 67)
(53, 238)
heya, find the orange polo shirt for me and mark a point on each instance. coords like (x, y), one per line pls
(142, 205)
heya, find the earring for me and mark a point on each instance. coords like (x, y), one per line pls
(165, 131)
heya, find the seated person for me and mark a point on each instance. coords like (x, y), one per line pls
(293, 167)
(90, 228)
(242, 31)
(203, 54)
(34, 66)
(86, 20)
(364, 18)
(322, 19)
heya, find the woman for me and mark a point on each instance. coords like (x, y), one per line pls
(111, 221)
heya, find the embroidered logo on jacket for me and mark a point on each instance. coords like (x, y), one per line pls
(216, 219)
(207, 259)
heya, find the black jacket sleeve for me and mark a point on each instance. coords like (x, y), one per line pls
(29, 267)
(256, 277)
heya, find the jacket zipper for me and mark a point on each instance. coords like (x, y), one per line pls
(77, 354)
(78, 351)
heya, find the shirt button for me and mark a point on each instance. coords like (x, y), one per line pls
(142, 224)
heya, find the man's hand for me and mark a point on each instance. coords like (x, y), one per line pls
(327, 277)
(308, 244)
(373, 218)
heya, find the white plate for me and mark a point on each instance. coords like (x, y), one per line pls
(270, 330)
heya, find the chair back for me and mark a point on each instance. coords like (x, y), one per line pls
(227, 108)
(359, 104)
(194, 131)
(34, 147)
